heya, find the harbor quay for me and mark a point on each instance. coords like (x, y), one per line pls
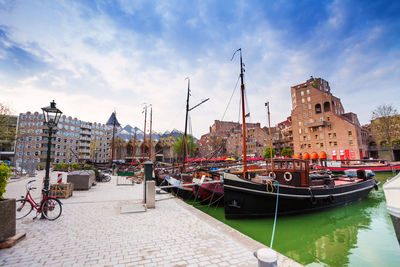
(92, 231)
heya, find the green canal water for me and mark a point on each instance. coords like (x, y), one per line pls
(360, 234)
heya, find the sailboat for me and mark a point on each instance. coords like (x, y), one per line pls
(254, 194)
(180, 180)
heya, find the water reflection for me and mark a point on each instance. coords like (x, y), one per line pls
(354, 235)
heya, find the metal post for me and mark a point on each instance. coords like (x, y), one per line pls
(47, 178)
(148, 176)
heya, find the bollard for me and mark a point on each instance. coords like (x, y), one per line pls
(148, 176)
(150, 194)
(266, 257)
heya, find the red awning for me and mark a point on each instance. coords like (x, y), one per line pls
(322, 155)
(306, 156)
(314, 155)
(298, 156)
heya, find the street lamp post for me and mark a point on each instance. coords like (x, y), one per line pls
(51, 116)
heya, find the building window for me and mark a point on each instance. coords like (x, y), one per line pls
(308, 137)
(302, 93)
(308, 91)
(309, 145)
(321, 144)
(334, 143)
(330, 143)
(320, 128)
(317, 145)
(350, 142)
(329, 127)
(304, 115)
(302, 100)
(306, 130)
(328, 118)
(23, 117)
(309, 114)
(309, 106)
(350, 133)
(318, 108)
(304, 107)
(308, 99)
(334, 134)
(316, 136)
(327, 107)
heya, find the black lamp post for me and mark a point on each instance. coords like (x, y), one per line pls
(51, 116)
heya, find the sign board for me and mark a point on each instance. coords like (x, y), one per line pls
(333, 164)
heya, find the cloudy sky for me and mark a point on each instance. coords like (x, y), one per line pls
(92, 57)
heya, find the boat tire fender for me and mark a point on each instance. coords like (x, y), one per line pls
(313, 200)
(331, 198)
(287, 176)
(376, 187)
(272, 174)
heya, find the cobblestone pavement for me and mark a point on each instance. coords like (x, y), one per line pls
(92, 232)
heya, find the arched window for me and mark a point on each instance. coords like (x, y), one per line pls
(318, 108)
(327, 107)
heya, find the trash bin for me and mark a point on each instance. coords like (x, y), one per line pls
(266, 257)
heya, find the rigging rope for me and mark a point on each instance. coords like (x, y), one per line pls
(276, 213)
(230, 99)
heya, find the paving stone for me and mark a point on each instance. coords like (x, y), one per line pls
(91, 231)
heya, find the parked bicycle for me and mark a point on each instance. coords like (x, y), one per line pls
(102, 177)
(49, 207)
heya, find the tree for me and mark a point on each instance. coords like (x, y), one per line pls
(7, 128)
(385, 126)
(191, 145)
(286, 151)
(267, 153)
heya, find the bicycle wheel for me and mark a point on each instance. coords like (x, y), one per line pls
(22, 208)
(51, 208)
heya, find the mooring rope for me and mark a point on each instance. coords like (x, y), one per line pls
(276, 213)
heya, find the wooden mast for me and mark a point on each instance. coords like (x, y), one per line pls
(243, 113)
(270, 138)
(243, 116)
(186, 122)
(133, 147)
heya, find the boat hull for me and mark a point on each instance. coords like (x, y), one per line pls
(245, 199)
(210, 193)
(372, 168)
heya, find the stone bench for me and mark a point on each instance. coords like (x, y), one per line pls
(82, 179)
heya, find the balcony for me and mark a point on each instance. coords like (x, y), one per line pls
(318, 124)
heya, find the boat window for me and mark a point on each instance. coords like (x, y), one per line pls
(290, 165)
(283, 165)
(276, 165)
(297, 165)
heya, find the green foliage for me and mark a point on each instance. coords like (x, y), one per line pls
(286, 151)
(191, 145)
(385, 126)
(57, 167)
(75, 166)
(40, 166)
(4, 175)
(267, 153)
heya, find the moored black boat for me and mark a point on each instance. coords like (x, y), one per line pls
(298, 192)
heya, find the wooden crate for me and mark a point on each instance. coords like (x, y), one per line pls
(61, 190)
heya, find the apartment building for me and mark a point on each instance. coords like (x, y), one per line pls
(72, 141)
(321, 129)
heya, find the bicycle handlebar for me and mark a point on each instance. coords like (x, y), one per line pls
(31, 181)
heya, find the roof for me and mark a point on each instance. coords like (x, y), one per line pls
(113, 120)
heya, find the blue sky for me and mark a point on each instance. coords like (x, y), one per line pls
(94, 56)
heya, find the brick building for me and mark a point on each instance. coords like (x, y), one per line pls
(73, 138)
(226, 138)
(321, 128)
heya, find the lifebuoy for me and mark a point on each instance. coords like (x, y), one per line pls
(287, 176)
(272, 174)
